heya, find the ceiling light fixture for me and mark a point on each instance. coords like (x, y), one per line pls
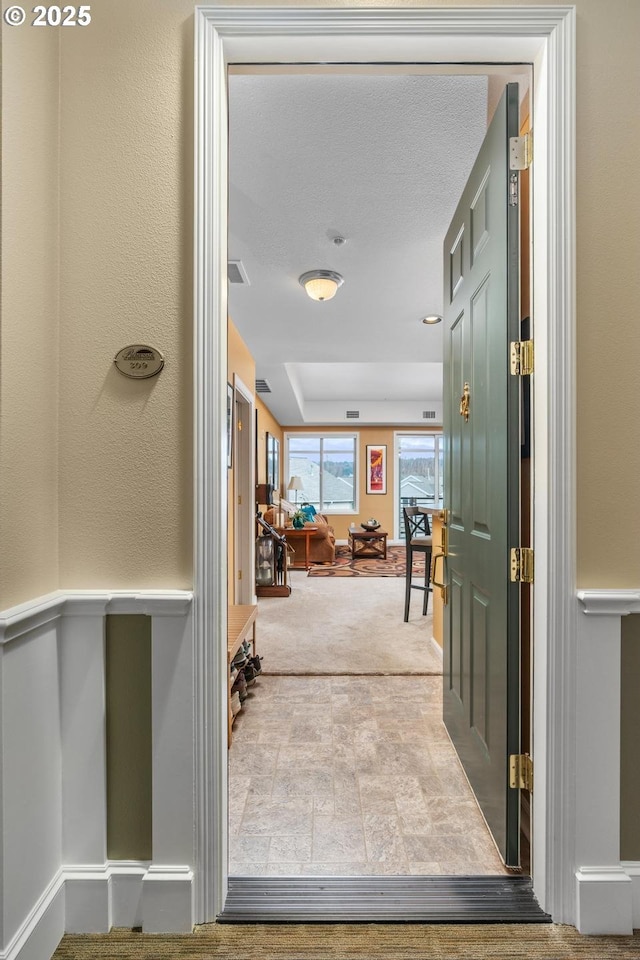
(432, 318)
(321, 284)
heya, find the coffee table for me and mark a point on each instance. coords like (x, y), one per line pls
(368, 543)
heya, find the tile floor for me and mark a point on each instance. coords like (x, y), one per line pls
(348, 776)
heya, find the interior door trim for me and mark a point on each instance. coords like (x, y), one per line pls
(544, 36)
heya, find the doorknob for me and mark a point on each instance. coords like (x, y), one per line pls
(444, 589)
(465, 401)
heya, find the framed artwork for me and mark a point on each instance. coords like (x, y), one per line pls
(376, 469)
(229, 425)
(273, 462)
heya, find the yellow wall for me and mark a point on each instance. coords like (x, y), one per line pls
(240, 362)
(382, 507)
(267, 424)
(29, 331)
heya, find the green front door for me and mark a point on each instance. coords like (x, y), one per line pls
(482, 449)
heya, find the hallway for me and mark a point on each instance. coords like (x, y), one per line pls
(350, 775)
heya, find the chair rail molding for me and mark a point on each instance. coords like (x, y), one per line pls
(545, 37)
(607, 602)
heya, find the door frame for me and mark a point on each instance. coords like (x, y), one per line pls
(545, 37)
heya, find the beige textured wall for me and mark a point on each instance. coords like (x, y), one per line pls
(126, 277)
(29, 329)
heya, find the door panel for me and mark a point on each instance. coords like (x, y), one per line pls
(481, 649)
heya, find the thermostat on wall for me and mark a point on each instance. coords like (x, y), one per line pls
(139, 361)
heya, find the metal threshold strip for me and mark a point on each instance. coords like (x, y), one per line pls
(382, 899)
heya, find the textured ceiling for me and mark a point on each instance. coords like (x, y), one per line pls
(379, 160)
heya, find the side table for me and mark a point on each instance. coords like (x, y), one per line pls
(368, 543)
(303, 535)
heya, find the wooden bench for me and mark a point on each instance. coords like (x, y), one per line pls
(241, 626)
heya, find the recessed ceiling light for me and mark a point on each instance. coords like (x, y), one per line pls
(432, 318)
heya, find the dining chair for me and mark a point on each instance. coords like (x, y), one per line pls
(418, 540)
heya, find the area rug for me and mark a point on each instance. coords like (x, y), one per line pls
(335, 625)
(367, 941)
(345, 566)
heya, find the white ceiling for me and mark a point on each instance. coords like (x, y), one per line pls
(380, 161)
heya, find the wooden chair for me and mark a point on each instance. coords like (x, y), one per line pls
(418, 540)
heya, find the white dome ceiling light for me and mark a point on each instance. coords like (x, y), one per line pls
(321, 284)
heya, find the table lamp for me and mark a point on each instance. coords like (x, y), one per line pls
(295, 483)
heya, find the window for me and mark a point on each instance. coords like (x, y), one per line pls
(420, 473)
(327, 466)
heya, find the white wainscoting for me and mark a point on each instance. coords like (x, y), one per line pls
(55, 876)
(607, 889)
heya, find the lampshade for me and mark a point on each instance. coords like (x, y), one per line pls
(295, 484)
(321, 284)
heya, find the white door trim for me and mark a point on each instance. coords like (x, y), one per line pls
(540, 35)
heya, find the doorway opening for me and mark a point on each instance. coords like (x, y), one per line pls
(546, 37)
(323, 745)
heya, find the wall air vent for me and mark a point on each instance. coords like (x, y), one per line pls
(428, 414)
(236, 272)
(262, 386)
(353, 414)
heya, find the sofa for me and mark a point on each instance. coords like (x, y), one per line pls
(322, 545)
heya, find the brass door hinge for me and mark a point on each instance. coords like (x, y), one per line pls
(521, 565)
(521, 152)
(443, 516)
(239, 574)
(521, 771)
(239, 500)
(521, 358)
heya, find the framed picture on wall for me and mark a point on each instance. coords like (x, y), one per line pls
(376, 469)
(229, 425)
(273, 462)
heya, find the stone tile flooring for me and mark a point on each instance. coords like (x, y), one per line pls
(348, 776)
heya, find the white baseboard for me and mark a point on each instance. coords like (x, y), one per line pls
(605, 900)
(167, 900)
(43, 928)
(437, 649)
(93, 898)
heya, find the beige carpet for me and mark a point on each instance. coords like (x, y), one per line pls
(343, 942)
(350, 626)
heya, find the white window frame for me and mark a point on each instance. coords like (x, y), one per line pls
(323, 434)
(397, 438)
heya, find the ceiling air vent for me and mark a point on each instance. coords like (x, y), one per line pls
(353, 414)
(262, 386)
(236, 272)
(428, 414)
